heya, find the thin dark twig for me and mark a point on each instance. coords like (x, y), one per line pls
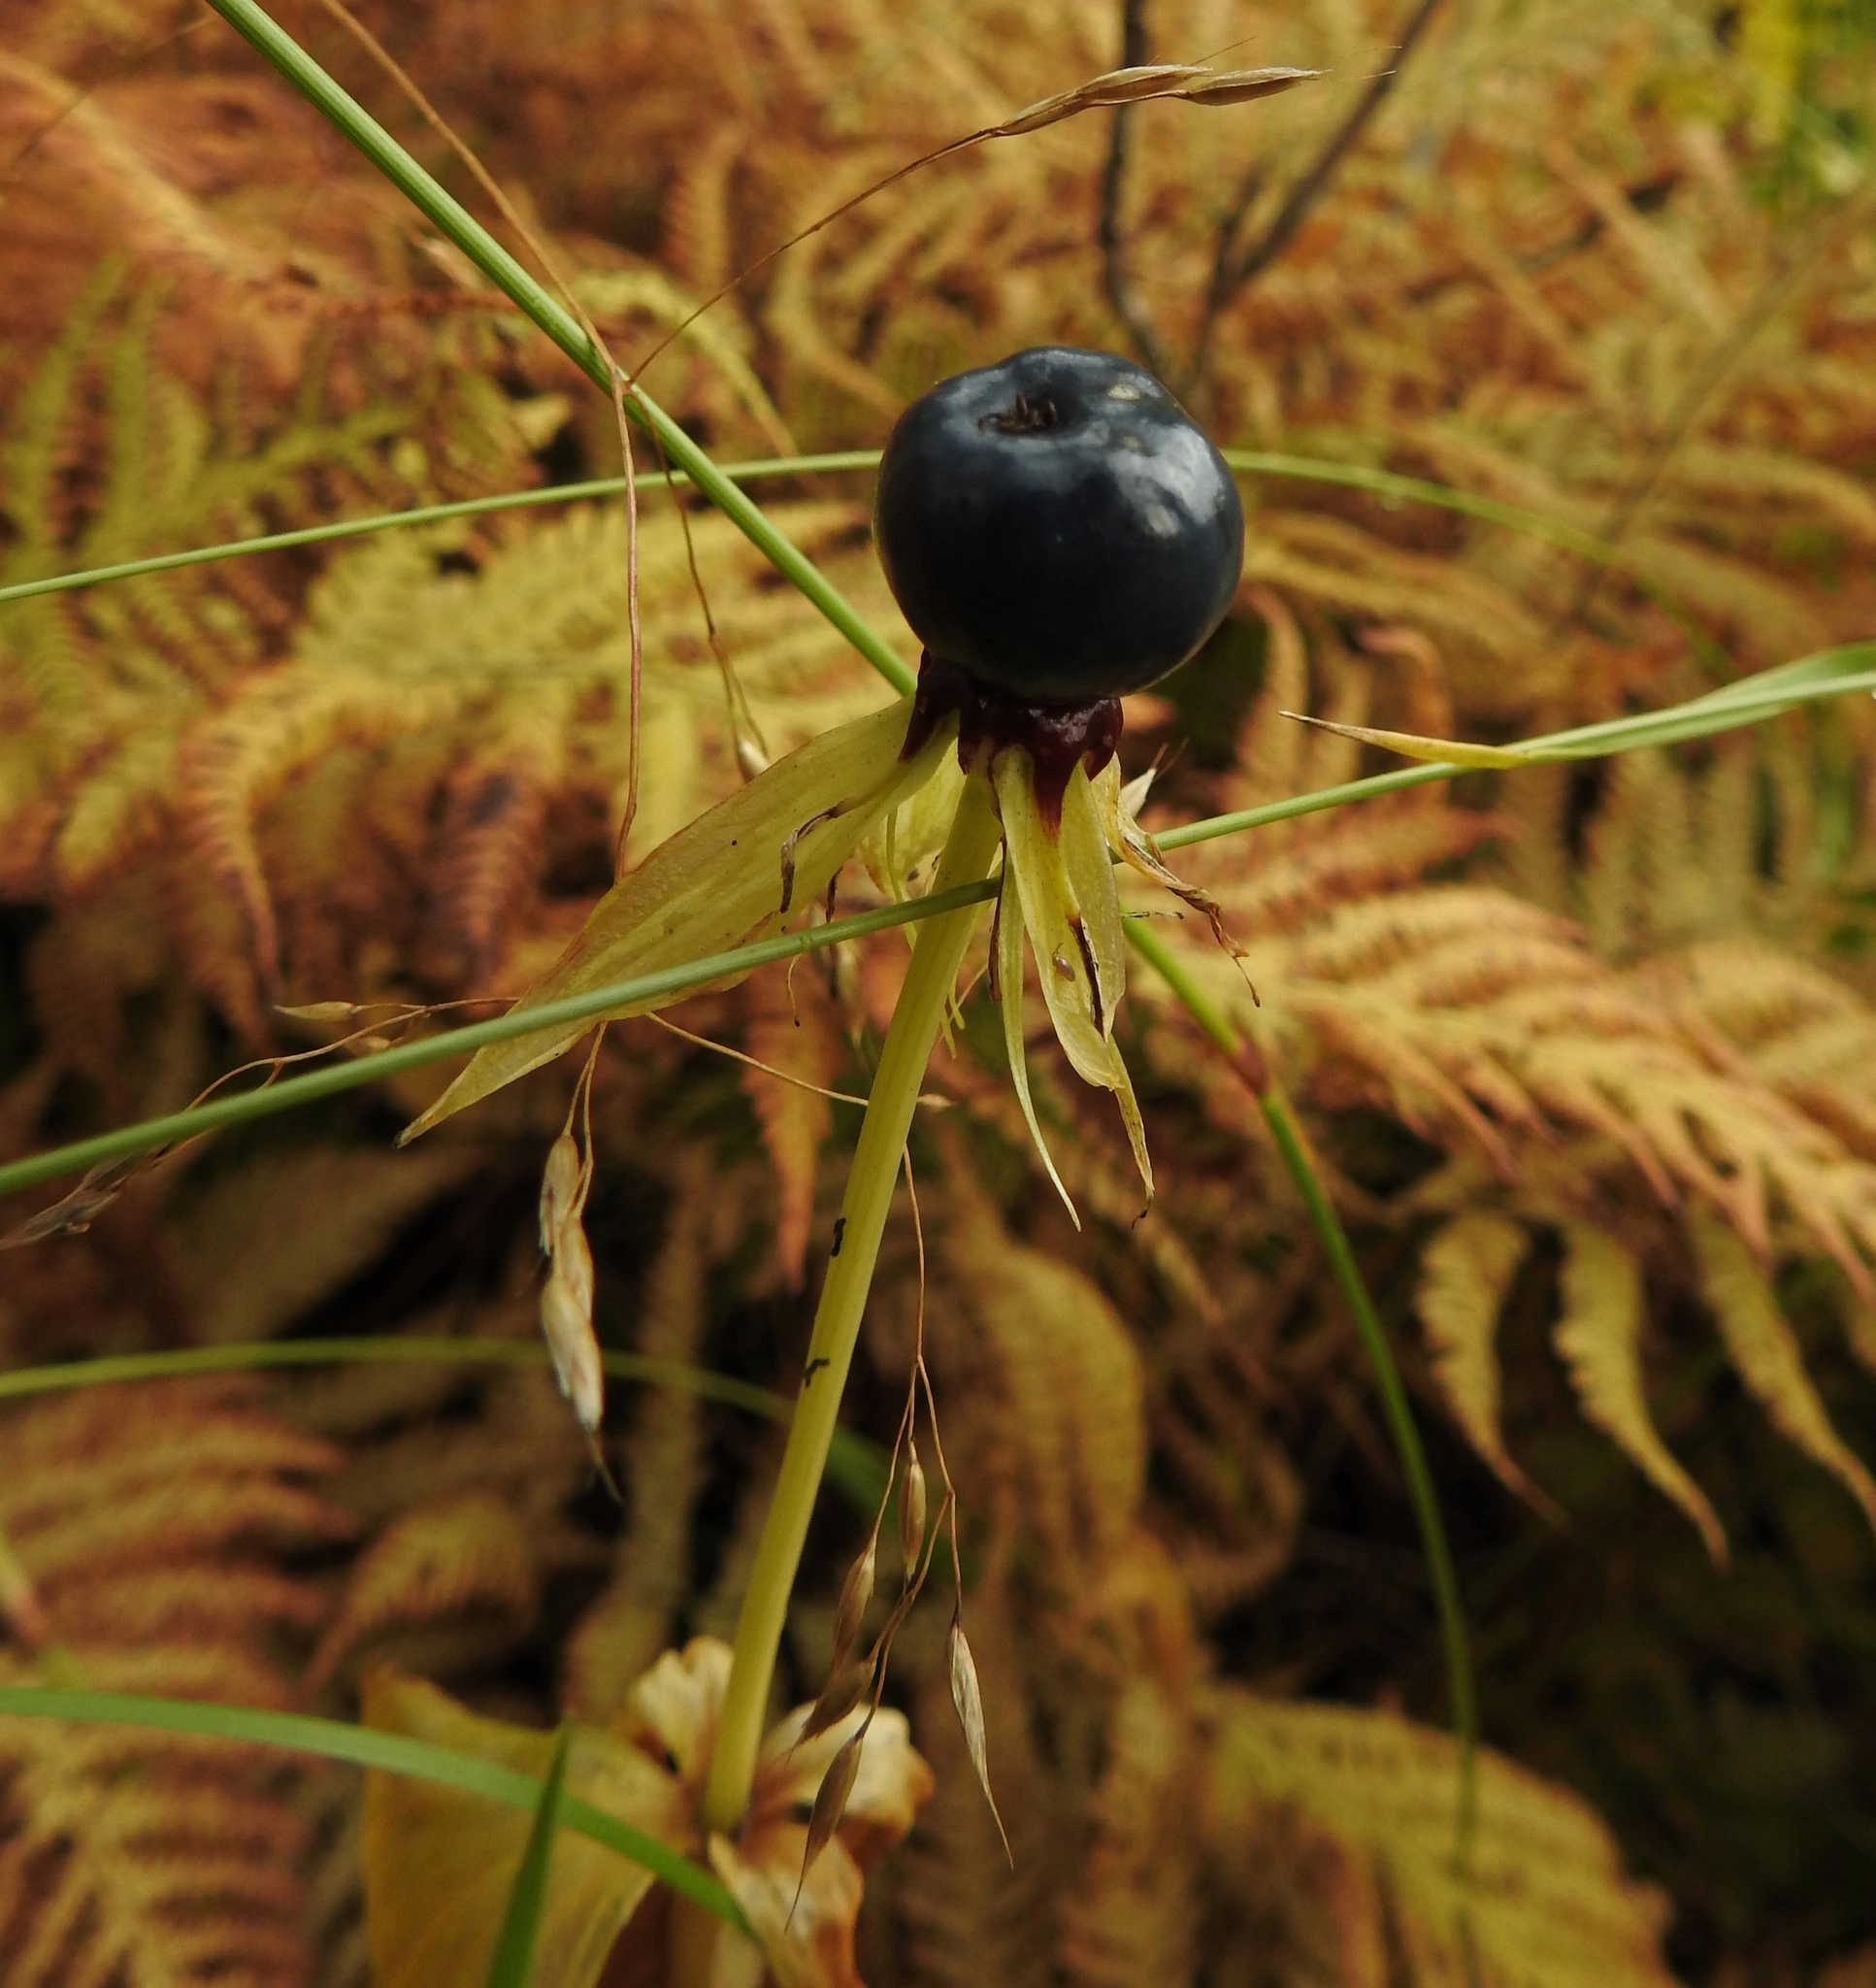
(1309, 189)
(81, 94)
(1114, 283)
(1224, 279)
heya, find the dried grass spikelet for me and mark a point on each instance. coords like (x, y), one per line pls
(970, 1910)
(154, 1525)
(1543, 1893)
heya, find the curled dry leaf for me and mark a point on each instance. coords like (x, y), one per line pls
(803, 1914)
(437, 1865)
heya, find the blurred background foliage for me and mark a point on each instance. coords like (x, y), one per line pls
(1590, 1051)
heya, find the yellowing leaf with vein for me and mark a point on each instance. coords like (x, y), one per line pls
(1543, 1902)
(730, 876)
(438, 1863)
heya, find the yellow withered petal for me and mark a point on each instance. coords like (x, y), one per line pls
(727, 878)
(901, 850)
(1416, 745)
(1010, 996)
(1064, 885)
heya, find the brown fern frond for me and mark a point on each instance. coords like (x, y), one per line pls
(1542, 1887)
(1068, 1468)
(634, 1615)
(1132, 1917)
(459, 1555)
(148, 1524)
(792, 1028)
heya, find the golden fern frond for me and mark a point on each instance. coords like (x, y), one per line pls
(1067, 1464)
(1597, 1336)
(1465, 1272)
(1541, 1897)
(151, 1525)
(262, 1244)
(1767, 1356)
(467, 1555)
(1130, 1918)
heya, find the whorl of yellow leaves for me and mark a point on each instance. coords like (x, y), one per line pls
(152, 1524)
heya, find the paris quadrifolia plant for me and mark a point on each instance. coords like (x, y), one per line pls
(1059, 534)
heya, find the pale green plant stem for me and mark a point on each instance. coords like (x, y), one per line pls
(1294, 1146)
(458, 226)
(930, 982)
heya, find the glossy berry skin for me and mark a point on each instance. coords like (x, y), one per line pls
(1055, 526)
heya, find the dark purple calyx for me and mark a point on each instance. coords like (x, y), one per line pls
(1056, 737)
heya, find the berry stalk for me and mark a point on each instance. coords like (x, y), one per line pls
(974, 836)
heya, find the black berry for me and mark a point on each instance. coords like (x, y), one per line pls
(1055, 526)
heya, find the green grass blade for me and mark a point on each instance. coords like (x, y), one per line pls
(856, 1466)
(385, 1753)
(1424, 1498)
(431, 513)
(293, 1091)
(458, 226)
(1387, 483)
(1293, 1144)
(512, 1964)
(1246, 461)
(1831, 673)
